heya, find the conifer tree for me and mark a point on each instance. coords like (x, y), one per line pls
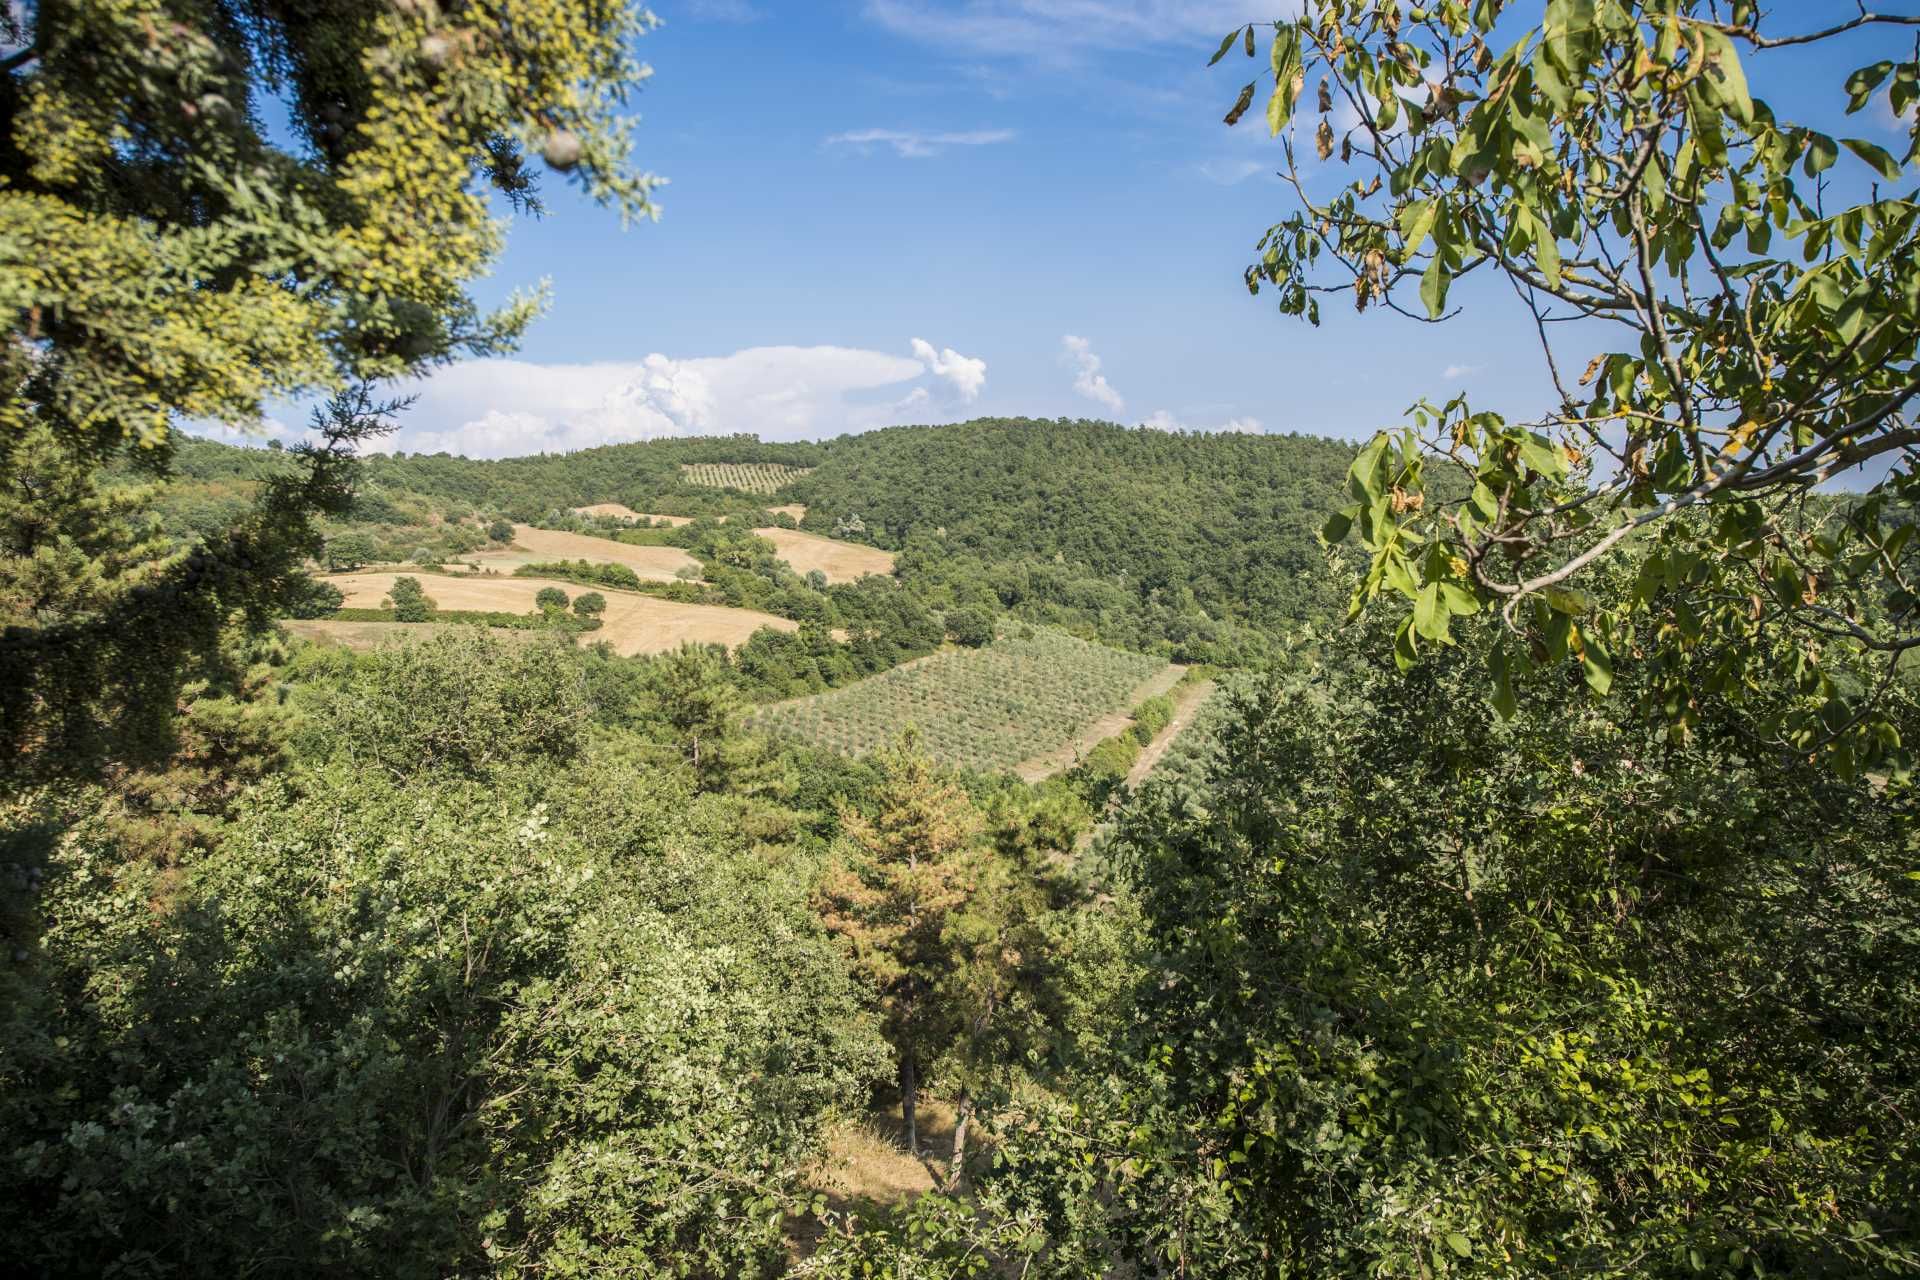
(909, 872)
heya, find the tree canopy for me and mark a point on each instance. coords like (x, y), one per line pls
(1745, 300)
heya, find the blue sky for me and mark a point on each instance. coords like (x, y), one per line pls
(1039, 191)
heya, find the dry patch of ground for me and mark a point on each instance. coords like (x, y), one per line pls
(798, 510)
(840, 561)
(867, 1166)
(532, 546)
(632, 624)
(1068, 753)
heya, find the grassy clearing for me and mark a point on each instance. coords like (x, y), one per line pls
(986, 709)
(750, 477)
(840, 561)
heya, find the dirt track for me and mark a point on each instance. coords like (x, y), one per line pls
(1063, 756)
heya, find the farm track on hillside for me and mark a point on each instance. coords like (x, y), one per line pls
(1067, 754)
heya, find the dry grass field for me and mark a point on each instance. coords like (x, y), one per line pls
(840, 561)
(632, 623)
(620, 511)
(798, 510)
(532, 546)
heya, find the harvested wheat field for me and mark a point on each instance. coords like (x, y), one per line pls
(632, 623)
(533, 546)
(620, 511)
(840, 561)
(798, 510)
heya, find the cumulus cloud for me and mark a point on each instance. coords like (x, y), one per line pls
(966, 373)
(1161, 420)
(1087, 378)
(508, 408)
(912, 144)
(1456, 371)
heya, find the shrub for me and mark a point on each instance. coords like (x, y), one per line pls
(409, 600)
(970, 627)
(590, 604)
(551, 598)
(500, 531)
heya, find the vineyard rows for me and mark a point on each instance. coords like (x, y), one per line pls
(984, 709)
(753, 477)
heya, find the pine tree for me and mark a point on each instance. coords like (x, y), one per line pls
(908, 873)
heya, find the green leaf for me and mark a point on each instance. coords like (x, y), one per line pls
(1821, 153)
(1568, 601)
(1504, 703)
(1429, 615)
(1433, 286)
(1225, 45)
(1596, 664)
(1339, 524)
(1862, 83)
(1724, 72)
(1888, 167)
(1405, 656)
(1459, 1244)
(1416, 221)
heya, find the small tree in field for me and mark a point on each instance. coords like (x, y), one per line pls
(970, 627)
(348, 551)
(550, 600)
(500, 531)
(409, 601)
(590, 604)
(893, 897)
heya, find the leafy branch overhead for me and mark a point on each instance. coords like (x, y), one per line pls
(1751, 289)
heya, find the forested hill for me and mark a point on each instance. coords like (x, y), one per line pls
(1202, 545)
(1229, 516)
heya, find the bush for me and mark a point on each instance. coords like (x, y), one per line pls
(409, 600)
(312, 598)
(590, 604)
(500, 531)
(550, 598)
(970, 627)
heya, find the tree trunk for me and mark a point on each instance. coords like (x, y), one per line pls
(909, 1088)
(957, 1168)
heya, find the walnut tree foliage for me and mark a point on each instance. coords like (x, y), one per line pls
(1746, 287)
(204, 206)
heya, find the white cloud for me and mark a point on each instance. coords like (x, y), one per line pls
(1043, 28)
(509, 408)
(1088, 380)
(1161, 420)
(724, 11)
(967, 373)
(1456, 371)
(912, 144)
(1229, 172)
